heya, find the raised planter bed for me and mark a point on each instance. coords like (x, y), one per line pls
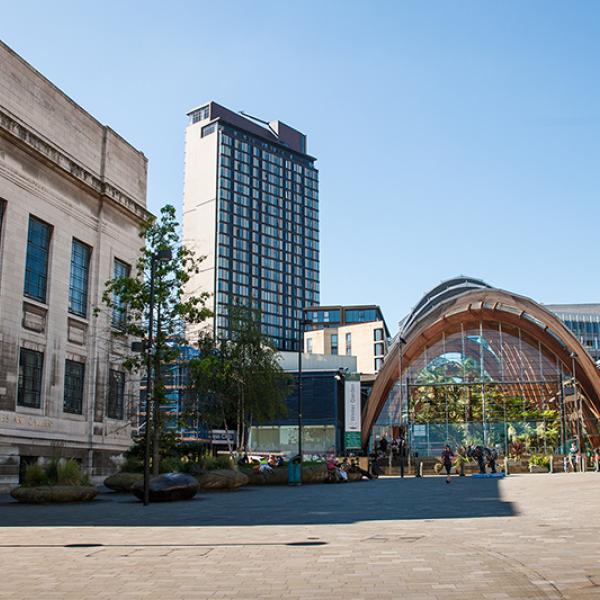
(123, 482)
(54, 493)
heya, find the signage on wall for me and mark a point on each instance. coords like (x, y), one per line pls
(352, 421)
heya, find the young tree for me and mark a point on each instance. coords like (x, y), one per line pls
(150, 304)
(239, 381)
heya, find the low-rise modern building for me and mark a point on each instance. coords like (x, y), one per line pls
(72, 198)
(584, 321)
(359, 331)
(327, 383)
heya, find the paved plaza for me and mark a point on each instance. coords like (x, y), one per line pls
(527, 536)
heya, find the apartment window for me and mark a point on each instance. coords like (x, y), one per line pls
(379, 349)
(119, 312)
(116, 394)
(208, 129)
(199, 115)
(334, 343)
(80, 274)
(36, 263)
(309, 345)
(378, 363)
(31, 365)
(378, 335)
(348, 344)
(73, 396)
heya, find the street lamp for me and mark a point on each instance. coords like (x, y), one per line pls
(163, 255)
(303, 323)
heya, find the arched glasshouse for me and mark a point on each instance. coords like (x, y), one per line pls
(477, 365)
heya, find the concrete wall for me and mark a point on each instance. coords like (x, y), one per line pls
(200, 209)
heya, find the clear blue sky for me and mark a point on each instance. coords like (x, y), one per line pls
(451, 137)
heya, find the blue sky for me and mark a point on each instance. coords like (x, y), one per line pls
(451, 137)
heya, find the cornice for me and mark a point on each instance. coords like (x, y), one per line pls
(32, 143)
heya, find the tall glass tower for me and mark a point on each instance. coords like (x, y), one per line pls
(250, 208)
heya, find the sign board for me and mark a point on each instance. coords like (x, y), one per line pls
(219, 436)
(352, 421)
(419, 431)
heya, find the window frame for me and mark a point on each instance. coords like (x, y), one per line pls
(38, 381)
(68, 401)
(84, 292)
(29, 260)
(115, 407)
(118, 317)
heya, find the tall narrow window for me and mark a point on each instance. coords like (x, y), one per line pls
(31, 365)
(378, 335)
(348, 344)
(119, 313)
(334, 343)
(2, 209)
(73, 397)
(379, 349)
(309, 345)
(80, 274)
(36, 263)
(116, 394)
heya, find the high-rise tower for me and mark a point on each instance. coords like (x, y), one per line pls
(251, 208)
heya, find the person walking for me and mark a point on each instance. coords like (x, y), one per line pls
(402, 453)
(447, 456)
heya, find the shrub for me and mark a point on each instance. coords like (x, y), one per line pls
(538, 460)
(170, 464)
(132, 464)
(56, 472)
(35, 475)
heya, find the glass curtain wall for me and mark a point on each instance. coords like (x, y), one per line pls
(486, 384)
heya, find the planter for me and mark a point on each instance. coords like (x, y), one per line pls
(168, 487)
(221, 479)
(537, 469)
(54, 493)
(123, 482)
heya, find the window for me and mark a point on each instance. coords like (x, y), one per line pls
(334, 343)
(378, 335)
(378, 363)
(73, 397)
(119, 312)
(116, 394)
(199, 115)
(208, 129)
(309, 345)
(2, 209)
(348, 344)
(379, 349)
(80, 273)
(31, 364)
(36, 263)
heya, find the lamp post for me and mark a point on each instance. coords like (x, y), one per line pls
(303, 323)
(162, 256)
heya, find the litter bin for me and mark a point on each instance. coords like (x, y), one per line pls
(294, 472)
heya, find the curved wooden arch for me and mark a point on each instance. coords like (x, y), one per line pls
(489, 306)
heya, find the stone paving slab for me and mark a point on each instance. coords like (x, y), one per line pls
(527, 536)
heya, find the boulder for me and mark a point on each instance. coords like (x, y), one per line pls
(221, 479)
(54, 493)
(123, 482)
(168, 487)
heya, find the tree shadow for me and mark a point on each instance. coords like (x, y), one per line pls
(319, 504)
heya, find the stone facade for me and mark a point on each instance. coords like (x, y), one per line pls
(65, 169)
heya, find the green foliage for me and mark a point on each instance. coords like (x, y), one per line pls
(538, 460)
(35, 475)
(56, 472)
(239, 380)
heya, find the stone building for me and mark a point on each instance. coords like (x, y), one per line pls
(72, 197)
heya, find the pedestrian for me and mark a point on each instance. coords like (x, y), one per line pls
(447, 456)
(402, 453)
(383, 444)
(597, 460)
(573, 456)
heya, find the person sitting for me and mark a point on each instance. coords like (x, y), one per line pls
(272, 461)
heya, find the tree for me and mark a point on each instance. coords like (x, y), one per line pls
(129, 298)
(239, 380)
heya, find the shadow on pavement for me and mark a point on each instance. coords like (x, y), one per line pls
(380, 500)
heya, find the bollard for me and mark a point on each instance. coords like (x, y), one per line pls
(583, 465)
(551, 465)
(421, 469)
